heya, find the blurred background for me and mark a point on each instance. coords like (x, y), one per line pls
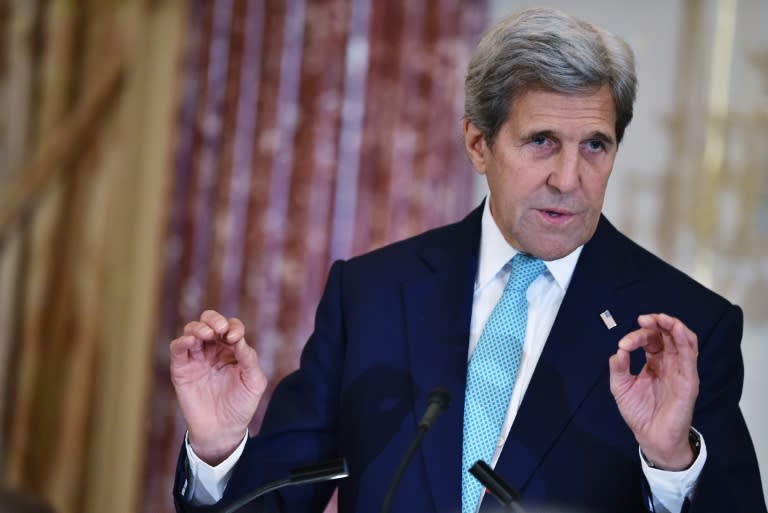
(160, 157)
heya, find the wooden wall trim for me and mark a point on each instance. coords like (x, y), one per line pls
(135, 248)
(61, 149)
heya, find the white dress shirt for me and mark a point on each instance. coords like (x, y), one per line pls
(545, 294)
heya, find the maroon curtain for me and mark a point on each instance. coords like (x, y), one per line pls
(308, 131)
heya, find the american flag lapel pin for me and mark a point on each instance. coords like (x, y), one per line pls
(608, 320)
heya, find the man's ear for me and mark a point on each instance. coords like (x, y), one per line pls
(476, 146)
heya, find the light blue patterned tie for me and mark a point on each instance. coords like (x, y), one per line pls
(492, 373)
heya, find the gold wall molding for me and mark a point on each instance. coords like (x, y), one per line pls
(85, 221)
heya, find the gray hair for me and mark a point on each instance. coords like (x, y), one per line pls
(546, 49)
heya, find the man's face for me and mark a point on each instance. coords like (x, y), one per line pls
(548, 169)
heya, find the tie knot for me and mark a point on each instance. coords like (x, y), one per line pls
(525, 269)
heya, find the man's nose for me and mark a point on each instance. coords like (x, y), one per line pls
(565, 175)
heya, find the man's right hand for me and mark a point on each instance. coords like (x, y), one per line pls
(218, 382)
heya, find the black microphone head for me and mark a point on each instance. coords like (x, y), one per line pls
(441, 397)
(495, 484)
(438, 402)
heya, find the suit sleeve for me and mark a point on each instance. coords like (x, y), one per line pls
(300, 425)
(730, 480)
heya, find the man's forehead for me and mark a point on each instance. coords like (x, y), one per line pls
(545, 107)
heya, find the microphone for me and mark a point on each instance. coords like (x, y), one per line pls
(495, 484)
(438, 401)
(328, 471)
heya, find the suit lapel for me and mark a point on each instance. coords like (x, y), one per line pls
(438, 308)
(574, 358)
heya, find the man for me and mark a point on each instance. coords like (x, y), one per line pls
(542, 321)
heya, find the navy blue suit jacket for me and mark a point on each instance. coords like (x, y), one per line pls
(394, 324)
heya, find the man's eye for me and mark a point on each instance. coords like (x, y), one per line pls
(595, 145)
(539, 140)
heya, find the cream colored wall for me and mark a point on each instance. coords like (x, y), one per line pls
(669, 191)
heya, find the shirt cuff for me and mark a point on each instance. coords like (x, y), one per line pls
(670, 489)
(206, 484)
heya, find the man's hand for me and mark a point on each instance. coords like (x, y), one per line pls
(218, 382)
(658, 403)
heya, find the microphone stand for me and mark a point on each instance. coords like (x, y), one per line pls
(328, 471)
(438, 401)
(401, 470)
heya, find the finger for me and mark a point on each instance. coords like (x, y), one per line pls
(681, 344)
(248, 358)
(620, 376)
(200, 330)
(679, 334)
(649, 339)
(649, 321)
(236, 330)
(182, 348)
(679, 330)
(656, 322)
(216, 321)
(688, 346)
(245, 355)
(667, 323)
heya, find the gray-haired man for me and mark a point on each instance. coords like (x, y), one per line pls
(592, 375)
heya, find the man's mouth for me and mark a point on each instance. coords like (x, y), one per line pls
(556, 213)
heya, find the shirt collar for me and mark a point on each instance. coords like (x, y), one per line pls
(495, 252)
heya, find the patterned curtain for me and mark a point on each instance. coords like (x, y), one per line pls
(308, 131)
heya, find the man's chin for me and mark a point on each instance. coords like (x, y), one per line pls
(552, 250)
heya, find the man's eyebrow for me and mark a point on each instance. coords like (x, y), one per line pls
(600, 136)
(539, 133)
(597, 135)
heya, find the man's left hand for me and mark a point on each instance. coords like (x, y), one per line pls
(657, 404)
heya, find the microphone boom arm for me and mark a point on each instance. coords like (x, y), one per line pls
(335, 469)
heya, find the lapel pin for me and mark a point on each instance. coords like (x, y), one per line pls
(608, 320)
